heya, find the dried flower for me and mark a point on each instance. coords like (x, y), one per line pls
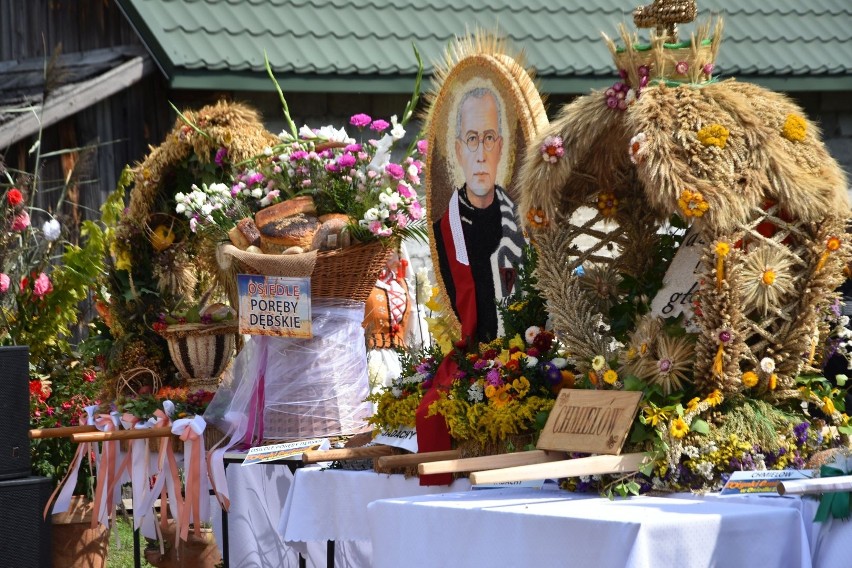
(749, 379)
(638, 148)
(795, 128)
(713, 135)
(607, 203)
(767, 365)
(551, 149)
(598, 362)
(692, 203)
(537, 218)
(681, 67)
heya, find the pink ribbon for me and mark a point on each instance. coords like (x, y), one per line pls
(190, 430)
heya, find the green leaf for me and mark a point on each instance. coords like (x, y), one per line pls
(633, 383)
(700, 426)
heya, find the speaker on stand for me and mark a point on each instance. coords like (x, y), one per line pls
(14, 412)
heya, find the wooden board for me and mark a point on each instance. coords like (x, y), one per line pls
(596, 422)
(595, 465)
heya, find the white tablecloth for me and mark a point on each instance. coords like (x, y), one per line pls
(522, 527)
(329, 504)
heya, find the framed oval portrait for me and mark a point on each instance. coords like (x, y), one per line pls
(485, 113)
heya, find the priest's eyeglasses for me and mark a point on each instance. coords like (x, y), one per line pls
(488, 139)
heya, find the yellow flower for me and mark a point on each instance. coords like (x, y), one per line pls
(610, 377)
(794, 128)
(722, 248)
(714, 398)
(692, 203)
(501, 397)
(521, 386)
(828, 406)
(679, 428)
(516, 341)
(713, 135)
(768, 277)
(654, 415)
(598, 362)
(749, 379)
(490, 391)
(773, 381)
(832, 244)
(503, 357)
(123, 261)
(607, 204)
(692, 404)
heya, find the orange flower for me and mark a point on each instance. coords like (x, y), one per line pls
(833, 244)
(607, 204)
(537, 218)
(692, 203)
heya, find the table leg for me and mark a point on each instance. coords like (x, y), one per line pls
(329, 554)
(137, 556)
(226, 553)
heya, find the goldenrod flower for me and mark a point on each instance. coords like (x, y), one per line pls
(713, 135)
(679, 428)
(692, 203)
(795, 128)
(749, 379)
(610, 377)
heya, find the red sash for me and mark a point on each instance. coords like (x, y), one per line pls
(432, 432)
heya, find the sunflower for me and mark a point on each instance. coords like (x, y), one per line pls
(679, 428)
(767, 278)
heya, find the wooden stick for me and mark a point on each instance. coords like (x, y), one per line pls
(595, 465)
(62, 432)
(405, 460)
(315, 456)
(122, 435)
(490, 462)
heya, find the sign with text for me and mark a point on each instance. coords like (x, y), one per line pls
(762, 481)
(680, 283)
(405, 438)
(286, 451)
(590, 421)
(275, 305)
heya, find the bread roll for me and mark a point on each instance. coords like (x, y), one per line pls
(276, 236)
(295, 206)
(245, 234)
(329, 216)
(332, 234)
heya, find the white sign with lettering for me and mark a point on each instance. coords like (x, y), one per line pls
(405, 438)
(680, 283)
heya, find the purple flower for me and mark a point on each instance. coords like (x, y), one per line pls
(353, 148)
(255, 178)
(644, 70)
(424, 366)
(681, 67)
(622, 73)
(552, 373)
(481, 364)
(298, 155)
(221, 154)
(379, 125)
(395, 171)
(724, 336)
(360, 120)
(612, 102)
(493, 377)
(423, 146)
(708, 68)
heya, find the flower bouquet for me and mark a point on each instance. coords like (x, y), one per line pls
(318, 202)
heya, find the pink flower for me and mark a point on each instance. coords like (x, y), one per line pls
(353, 148)
(415, 210)
(375, 227)
(405, 191)
(379, 125)
(682, 67)
(360, 120)
(423, 146)
(346, 161)
(708, 69)
(551, 150)
(395, 171)
(42, 285)
(4, 282)
(21, 221)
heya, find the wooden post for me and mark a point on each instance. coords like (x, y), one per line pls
(122, 435)
(62, 432)
(364, 452)
(405, 460)
(489, 462)
(595, 465)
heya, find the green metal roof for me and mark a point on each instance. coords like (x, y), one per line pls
(365, 45)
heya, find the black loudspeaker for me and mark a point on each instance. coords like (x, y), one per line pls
(14, 412)
(24, 534)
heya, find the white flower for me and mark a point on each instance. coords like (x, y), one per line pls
(306, 133)
(531, 361)
(396, 392)
(397, 132)
(193, 224)
(267, 151)
(559, 362)
(638, 147)
(844, 320)
(180, 208)
(475, 393)
(51, 230)
(382, 155)
(767, 365)
(207, 209)
(531, 333)
(257, 193)
(333, 134)
(705, 468)
(371, 214)
(598, 362)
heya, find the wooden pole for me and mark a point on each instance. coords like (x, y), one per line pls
(489, 462)
(62, 432)
(405, 460)
(161, 432)
(364, 452)
(595, 465)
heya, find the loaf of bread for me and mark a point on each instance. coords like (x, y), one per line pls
(245, 234)
(329, 216)
(304, 204)
(278, 235)
(332, 234)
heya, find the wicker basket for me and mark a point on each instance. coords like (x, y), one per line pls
(201, 351)
(348, 273)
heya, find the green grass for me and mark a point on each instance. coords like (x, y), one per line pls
(121, 555)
